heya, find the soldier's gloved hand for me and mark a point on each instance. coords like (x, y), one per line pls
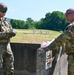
(45, 44)
(13, 32)
(8, 35)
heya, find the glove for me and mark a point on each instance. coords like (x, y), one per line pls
(46, 44)
(11, 33)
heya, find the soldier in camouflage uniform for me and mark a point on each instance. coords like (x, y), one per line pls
(67, 39)
(6, 32)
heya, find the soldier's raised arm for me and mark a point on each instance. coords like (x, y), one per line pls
(65, 37)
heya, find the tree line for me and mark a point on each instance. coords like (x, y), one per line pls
(52, 21)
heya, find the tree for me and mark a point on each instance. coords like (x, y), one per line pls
(30, 23)
(53, 21)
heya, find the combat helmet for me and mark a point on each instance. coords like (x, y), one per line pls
(3, 7)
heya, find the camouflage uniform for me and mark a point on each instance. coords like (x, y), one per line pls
(66, 38)
(6, 54)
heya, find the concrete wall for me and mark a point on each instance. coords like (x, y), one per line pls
(25, 58)
(30, 60)
(59, 64)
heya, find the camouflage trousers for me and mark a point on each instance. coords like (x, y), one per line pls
(71, 64)
(6, 59)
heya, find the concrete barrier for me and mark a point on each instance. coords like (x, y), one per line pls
(59, 65)
(25, 58)
(30, 60)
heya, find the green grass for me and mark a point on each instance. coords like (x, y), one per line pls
(34, 36)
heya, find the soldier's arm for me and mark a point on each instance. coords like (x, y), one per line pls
(6, 30)
(3, 35)
(63, 38)
(9, 28)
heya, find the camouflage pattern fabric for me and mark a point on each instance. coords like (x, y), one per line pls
(71, 64)
(67, 38)
(6, 54)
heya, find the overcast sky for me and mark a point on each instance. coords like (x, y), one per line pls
(35, 9)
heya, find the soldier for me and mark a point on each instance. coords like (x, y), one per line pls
(6, 32)
(67, 38)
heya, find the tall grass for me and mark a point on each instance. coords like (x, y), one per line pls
(34, 36)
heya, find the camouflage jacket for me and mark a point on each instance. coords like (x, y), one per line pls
(5, 27)
(67, 38)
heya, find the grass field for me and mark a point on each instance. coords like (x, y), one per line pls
(34, 36)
